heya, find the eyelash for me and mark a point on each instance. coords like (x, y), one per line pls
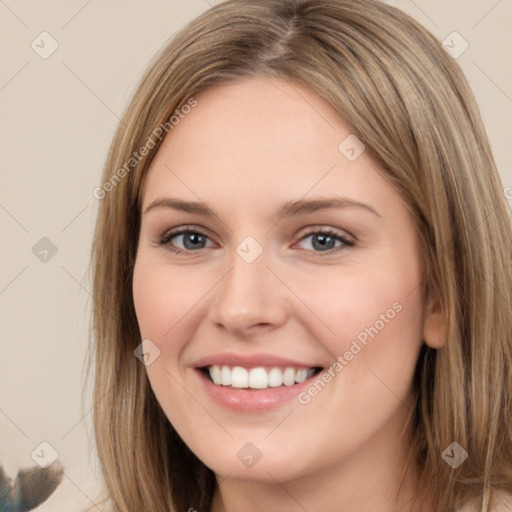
(165, 239)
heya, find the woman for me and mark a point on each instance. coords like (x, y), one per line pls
(303, 273)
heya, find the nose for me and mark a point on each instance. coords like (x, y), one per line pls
(249, 298)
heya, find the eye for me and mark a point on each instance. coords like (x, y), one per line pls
(187, 239)
(190, 239)
(324, 240)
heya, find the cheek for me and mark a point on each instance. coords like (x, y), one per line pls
(165, 304)
(170, 304)
(362, 304)
(164, 299)
(375, 319)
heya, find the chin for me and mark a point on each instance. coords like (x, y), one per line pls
(261, 462)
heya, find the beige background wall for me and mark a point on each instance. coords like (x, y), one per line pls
(58, 115)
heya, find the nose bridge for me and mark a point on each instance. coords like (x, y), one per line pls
(249, 294)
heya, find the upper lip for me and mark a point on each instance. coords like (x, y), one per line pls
(250, 361)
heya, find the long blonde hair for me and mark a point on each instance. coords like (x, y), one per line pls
(410, 104)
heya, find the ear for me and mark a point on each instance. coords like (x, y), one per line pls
(434, 326)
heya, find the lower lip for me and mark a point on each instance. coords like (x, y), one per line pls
(252, 400)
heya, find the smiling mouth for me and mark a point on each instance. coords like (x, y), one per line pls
(238, 377)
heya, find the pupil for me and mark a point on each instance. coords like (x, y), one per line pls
(194, 238)
(322, 240)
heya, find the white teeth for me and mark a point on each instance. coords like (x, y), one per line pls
(225, 376)
(257, 378)
(215, 374)
(289, 377)
(239, 377)
(301, 376)
(275, 378)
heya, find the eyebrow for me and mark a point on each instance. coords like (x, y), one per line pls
(286, 209)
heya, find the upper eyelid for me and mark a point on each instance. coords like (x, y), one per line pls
(169, 233)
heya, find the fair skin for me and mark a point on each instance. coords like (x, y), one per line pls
(246, 148)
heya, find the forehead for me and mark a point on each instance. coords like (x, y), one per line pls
(261, 117)
(256, 140)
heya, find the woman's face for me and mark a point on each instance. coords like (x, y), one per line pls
(294, 256)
